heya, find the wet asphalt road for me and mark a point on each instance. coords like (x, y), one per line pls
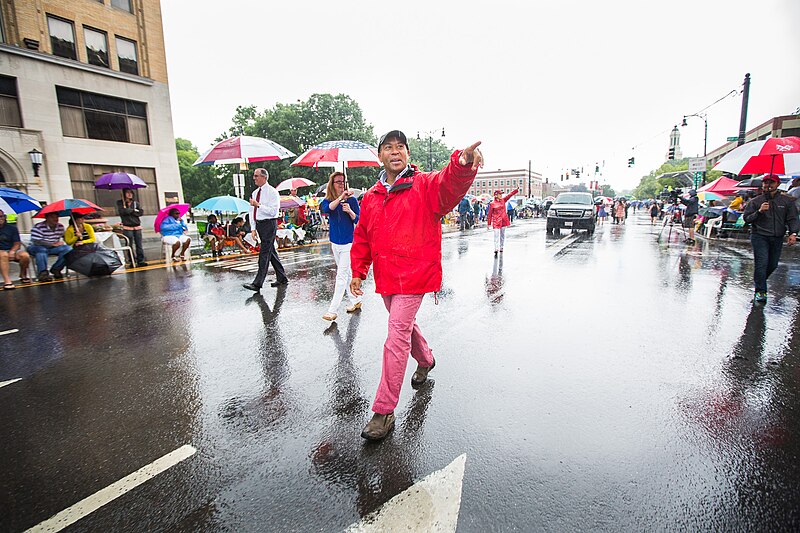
(607, 382)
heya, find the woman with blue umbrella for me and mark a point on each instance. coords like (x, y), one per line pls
(14, 202)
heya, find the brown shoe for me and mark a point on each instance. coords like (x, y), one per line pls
(421, 375)
(44, 275)
(378, 427)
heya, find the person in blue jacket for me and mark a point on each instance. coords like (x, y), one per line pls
(342, 210)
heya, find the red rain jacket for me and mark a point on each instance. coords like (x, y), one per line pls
(497, 217)
(400, 232)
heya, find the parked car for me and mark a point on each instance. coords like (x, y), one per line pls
(572, 210)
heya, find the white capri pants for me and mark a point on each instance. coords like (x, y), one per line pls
(341, 254)
(499, 238)
(172, 239)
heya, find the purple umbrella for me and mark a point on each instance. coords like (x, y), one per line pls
(119, 180)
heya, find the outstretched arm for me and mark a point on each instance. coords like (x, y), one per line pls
(449, 185)
(510, 195)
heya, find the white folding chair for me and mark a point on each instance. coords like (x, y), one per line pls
(111, 240)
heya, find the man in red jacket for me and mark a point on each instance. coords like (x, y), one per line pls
(399, 231)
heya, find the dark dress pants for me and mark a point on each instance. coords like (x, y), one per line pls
(766, 253)
(134, 237)
(268, 255)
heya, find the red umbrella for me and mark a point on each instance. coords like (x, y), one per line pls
(776, 155)
(65, 208)
(243, 149)
(164, 213)
(337, 153)
(724, 186)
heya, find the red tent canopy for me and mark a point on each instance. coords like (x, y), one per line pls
(724, 186)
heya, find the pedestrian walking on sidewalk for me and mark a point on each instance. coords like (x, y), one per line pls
(601, 213)
(497, 218)
(400, 235)
(342, 210)
(769, 214)
(266, 203)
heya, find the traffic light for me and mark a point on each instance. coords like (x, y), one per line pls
(671, 154)
(631, 162)
(596, 168)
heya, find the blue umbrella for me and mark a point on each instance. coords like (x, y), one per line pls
(14, 201)
(224, 204)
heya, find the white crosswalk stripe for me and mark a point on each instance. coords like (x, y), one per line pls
(295, 261)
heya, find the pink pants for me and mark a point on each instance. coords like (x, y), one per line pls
(404, 338)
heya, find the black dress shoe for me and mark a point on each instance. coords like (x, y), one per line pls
(251, 287)
(279, 283)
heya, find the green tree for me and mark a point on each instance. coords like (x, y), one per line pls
(199, 183)
(424, 149)
(650, 187)
(301, 125)
(606, 190)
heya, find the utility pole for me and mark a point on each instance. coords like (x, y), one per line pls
(529, 178)
(743, 119)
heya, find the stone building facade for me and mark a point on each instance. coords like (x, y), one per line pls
(85, 83)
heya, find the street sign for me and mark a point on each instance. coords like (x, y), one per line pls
(698, 177)
(697, 164)
(731, 139)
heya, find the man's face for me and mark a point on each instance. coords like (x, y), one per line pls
(496, 195)
(259, 179)
(394, 155)
(175, 214)
(2, 219)
(769, 187)
(51, 218)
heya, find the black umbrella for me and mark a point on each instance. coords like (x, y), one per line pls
(756, 182)
(711, 212)
(93, 260)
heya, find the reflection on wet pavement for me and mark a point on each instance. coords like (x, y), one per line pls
(619, 381)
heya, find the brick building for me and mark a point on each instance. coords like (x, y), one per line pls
(486, 182)
(85, 83)
(784, 126)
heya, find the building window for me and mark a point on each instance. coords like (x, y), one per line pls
(9, 103)
(83, 177)
(123, 4)
(62, 37)
(96, 47)
(96, 116)
(126, 54)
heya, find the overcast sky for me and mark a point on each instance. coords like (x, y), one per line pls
(564, 83)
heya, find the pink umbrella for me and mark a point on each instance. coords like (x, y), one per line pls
(294, 183)
(724, 186)
(243, 149)
(164, 213)
(288, 202)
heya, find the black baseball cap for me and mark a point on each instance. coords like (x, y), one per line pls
(394, 133)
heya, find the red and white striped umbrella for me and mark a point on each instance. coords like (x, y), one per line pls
(294, 183)
(776, 155)
(243, 149)
(339, 153)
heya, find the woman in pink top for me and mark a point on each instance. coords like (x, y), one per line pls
(620, 211)
(497, 218)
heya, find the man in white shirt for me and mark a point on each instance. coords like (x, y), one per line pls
(266, 204)
(794, 190)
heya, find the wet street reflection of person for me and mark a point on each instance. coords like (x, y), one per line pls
(376, 474)
(274, 360)
(494, 283)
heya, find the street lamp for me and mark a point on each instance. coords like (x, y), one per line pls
(430, 134)
(36, 161)
(705, 139)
